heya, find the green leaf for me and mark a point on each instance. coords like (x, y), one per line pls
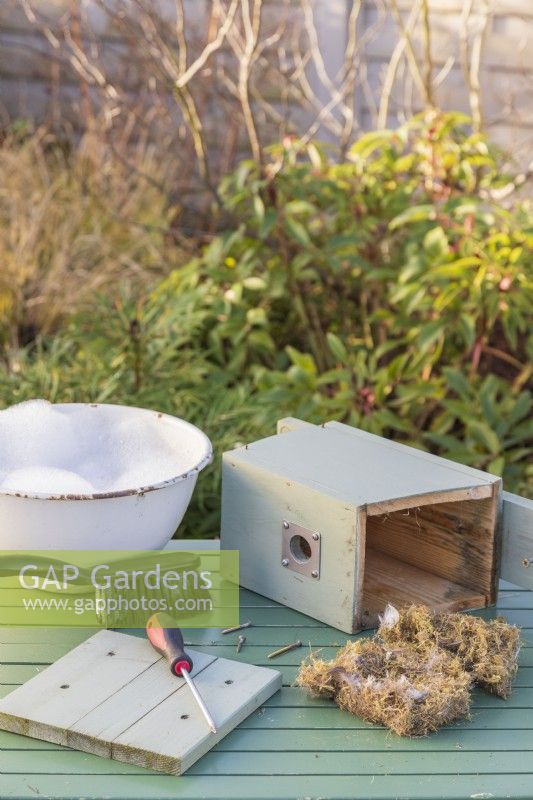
(337, 347)
(521, 408)
(429, 334)
(369, 142)
(457, 268)
(496, 466)
(458, 382)
(259, 208)
(435, 243)
(268, 223)
(300, 207)
(254, 283)
(468, 329)
(413, 214)
(298, 232)
(485, 435)
(302, 360)
(256, 316)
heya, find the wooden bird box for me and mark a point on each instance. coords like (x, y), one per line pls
(336, 523)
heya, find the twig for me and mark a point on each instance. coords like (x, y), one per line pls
(392, 68)
(428, 59)
(411, 56)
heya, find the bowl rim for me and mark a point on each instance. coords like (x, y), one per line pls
(207, 458)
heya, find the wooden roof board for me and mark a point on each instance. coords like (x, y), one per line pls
(357, 467)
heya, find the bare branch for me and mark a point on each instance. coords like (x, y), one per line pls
(428, 59)
(409, 49)
(474, 85)
(392, 67)
(210, 48)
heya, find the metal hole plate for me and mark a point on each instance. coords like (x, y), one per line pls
(303, 559)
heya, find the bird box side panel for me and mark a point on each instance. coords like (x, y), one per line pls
(255, 504)
(517, 540)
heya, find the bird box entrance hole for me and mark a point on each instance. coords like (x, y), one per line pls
(440, 554)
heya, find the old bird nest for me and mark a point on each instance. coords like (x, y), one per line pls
(417, 672)
(488, 651)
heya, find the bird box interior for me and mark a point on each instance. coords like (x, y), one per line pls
(441, 554)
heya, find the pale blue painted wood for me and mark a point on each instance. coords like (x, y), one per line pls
(300, 749)
(517, 540)
(327, 479)
(254, 504)
(356, 467)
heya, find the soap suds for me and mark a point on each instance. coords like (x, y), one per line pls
(81, 449)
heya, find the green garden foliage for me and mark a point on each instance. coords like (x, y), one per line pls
(392, 292)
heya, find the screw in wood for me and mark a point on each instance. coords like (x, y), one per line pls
(285, 649)
(247, 624)
(240, 643)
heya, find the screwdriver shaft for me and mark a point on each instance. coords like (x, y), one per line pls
(198, 697)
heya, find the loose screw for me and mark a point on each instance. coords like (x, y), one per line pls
(285, 649)
(240, 643)
(247, 624)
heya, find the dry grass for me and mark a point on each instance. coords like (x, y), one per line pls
(487, 650)
(411, 695)
(416, 673)
(72, 224)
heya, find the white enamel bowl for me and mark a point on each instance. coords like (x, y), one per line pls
(140, 518)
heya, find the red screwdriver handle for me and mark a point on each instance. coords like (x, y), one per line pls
(168, 640)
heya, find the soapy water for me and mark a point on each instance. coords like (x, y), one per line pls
(79, 450)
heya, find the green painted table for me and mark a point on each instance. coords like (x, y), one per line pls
(294, 746)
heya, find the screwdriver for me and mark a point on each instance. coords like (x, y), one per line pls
(168, 640)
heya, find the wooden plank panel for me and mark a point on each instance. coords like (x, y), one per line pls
(55, 698)
(389, 580)
(452, 540)
(517, 544)
(355, 466)
(47, 636)
(309, 740)
(114, 695)
(149, 787)
(231, 691)
(374, 739)
(97, 729)
(333, 763)
(500, 718)
(254, 503)
(373, 764)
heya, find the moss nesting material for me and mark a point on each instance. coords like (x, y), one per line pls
(486, 650)
(411, 694)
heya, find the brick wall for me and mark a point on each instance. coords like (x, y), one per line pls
(33, 85)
